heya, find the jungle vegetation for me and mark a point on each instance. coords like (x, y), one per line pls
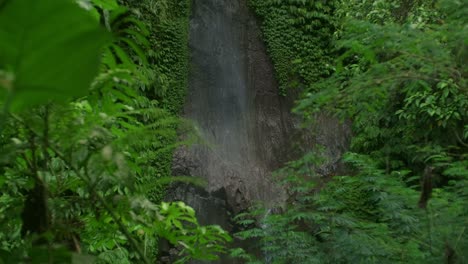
(396, 70)
(90, 96)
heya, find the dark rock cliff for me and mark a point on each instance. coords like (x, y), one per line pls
(246, 128)
(234, 103)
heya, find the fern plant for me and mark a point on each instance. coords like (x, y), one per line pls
(399, 79)
(369, 217)
(79, 164)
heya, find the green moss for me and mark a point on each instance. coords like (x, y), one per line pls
(172, 58)
(173, 61)
(298, 36)
(168, 23)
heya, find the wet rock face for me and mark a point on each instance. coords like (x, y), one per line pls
(246, 128)
(234, 103)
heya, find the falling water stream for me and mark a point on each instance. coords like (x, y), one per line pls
(233, 102)
(245, 125)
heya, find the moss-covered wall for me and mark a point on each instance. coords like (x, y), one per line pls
(168, 23)
(171, 40)
(298, 35)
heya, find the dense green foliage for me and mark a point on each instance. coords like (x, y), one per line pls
(81, 135)
(400, 79)
(90, 92)
(167, 23)
(298, 35)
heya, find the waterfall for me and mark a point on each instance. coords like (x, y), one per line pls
(244, 124)
(233, 100)
(246, 127)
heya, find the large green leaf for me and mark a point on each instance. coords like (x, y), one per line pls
(106, 4)
(51, 47)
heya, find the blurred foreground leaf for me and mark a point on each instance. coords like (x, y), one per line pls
(49, 50)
